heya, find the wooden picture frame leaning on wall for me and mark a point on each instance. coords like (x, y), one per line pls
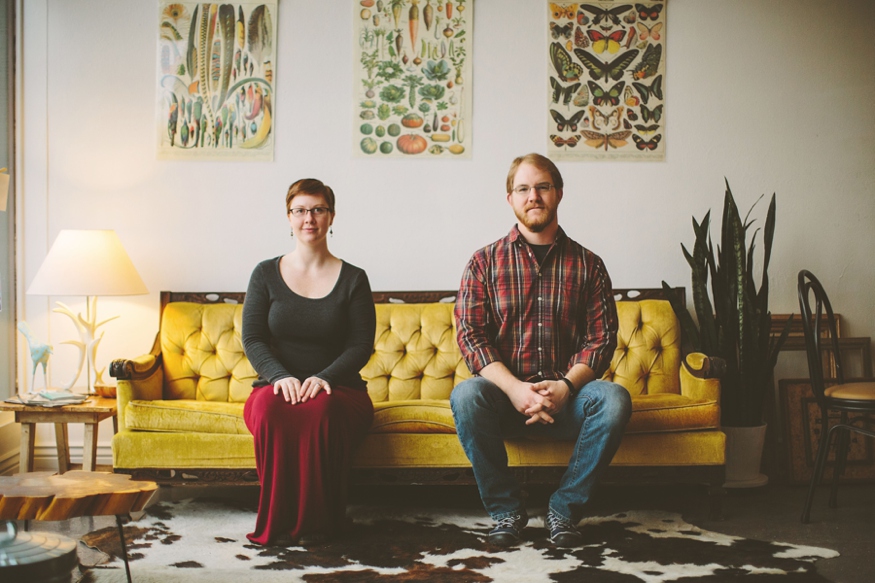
(802, 434)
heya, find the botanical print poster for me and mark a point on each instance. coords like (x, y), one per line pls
(412, 82)
(606, 81)
(215, 80)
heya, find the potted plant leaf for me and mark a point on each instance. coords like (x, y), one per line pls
(734, 324)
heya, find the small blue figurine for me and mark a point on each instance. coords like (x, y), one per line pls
(39, 353)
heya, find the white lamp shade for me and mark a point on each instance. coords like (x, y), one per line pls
(87, 263)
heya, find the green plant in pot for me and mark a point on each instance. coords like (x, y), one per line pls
(734, 322)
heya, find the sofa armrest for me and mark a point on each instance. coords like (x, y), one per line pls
(703, 366)
(140, 367)
(142, 388)
(140, 379)
(700, 376)
(135, 369)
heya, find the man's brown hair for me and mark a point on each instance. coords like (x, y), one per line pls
(541, 163)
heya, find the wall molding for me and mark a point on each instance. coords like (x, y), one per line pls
(10, 444)
(45, 459)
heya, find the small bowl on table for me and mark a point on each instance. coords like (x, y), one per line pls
(105, 391)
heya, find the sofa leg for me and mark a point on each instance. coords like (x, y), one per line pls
(716, 495)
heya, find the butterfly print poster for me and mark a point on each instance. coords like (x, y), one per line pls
(215, 80)
(412, 80)
(606, 72)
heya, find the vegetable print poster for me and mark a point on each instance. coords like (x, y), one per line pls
(412, 82)
(606, 71)
(215, 80)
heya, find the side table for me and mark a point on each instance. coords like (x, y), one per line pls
(90, 412)
(44, 496)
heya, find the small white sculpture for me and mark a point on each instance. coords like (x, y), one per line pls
(39, 354)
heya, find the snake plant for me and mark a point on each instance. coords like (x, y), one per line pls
(734, 322)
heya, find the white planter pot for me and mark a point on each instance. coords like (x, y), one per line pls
(744, 454)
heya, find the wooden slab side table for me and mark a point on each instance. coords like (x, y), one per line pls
(48, 496)
(90, 412)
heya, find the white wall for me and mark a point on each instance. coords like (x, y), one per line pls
(776, 96)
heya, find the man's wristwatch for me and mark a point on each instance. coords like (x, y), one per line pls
(571, 388)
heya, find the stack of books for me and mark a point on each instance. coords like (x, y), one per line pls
(49, 398)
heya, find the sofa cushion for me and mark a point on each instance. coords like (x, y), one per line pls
(413, 416)
(650, 414)
(186, 415)
(666, 412)
(681, 448)
(689, 448)
(181, 451)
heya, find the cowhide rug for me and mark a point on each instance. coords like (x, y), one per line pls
(196, 541)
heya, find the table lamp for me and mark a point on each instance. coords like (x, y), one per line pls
(87, 263)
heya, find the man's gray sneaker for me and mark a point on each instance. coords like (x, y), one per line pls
(507, 530)
(563, 533)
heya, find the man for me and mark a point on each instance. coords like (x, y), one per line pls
(537, 324)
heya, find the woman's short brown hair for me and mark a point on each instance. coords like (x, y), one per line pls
(310, 186)
(538, 161)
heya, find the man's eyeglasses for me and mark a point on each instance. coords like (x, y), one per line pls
(542, 188)
(315, 211)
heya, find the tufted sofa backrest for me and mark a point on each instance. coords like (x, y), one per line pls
(648, 354)
(203, 352)
(415, 352)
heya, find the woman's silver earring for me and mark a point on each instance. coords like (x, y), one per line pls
(292, 233)
(331, 231)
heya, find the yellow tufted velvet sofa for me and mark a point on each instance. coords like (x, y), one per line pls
(180, 406)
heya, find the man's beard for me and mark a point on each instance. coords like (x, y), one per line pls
(533, 224)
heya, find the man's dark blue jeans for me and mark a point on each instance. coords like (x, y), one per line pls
(594, 419)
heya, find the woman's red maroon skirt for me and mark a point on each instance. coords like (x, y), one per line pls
(303, 454)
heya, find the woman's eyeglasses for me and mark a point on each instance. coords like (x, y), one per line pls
(315, 211)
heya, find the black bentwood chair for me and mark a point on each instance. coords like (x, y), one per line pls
(854, 401)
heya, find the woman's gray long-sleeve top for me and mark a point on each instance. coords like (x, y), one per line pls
(285, 334)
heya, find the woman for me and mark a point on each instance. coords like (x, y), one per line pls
(308, 328)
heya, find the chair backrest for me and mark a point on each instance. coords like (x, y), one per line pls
(817, 340)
